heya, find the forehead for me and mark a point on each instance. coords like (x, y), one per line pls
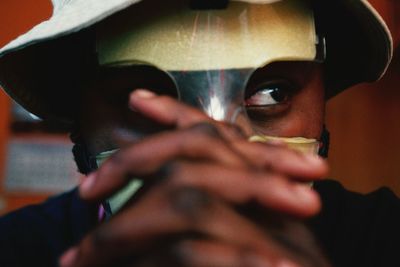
(174, 37)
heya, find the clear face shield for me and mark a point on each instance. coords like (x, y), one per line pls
(210, 55)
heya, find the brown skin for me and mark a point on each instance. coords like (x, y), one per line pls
(190, 217)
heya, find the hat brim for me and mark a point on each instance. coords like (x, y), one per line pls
(43, 70)
(359, 43)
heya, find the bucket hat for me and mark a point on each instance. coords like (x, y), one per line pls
(45, 68)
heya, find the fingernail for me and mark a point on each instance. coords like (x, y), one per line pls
(276, 142)
(303, 193)
(69, 257)
(313, 159)
(143, 93)
(88, 183)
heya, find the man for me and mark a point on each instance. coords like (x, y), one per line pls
(195, 191)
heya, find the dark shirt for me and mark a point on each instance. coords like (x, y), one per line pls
(356, 229)
(353, 229)
(37, 235)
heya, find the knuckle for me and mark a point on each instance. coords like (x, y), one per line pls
(177, 254)
(173, 170)
(206, 128)
(190, 202)
(182, 252)
(168, 256)
(100, 238)
(238, 130)
(199, 139)
(235, 130)
(118, 159)
(118, 163)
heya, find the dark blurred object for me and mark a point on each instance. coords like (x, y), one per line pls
(363, 122)
(23, 121)
(290, 233)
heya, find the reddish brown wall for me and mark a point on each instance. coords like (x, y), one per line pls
(365, 128)
(365, 124)
(16, 17)
(19, 16)
(4, 131)
(364, 121)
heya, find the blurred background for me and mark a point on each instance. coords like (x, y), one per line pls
(36, 160)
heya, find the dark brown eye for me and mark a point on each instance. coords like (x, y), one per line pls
(269, 94)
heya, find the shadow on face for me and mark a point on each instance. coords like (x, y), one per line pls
(281, 99)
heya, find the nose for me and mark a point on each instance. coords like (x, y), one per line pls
(219, 93)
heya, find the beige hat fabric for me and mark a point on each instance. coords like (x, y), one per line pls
(45, 68)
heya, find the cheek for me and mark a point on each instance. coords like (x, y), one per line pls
(305, 119)
(97, 120)
(309, 109)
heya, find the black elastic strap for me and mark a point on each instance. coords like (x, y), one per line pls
(208, 4)
(325, 139)
(84, 161)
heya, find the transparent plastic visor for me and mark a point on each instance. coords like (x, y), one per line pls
(210, 54)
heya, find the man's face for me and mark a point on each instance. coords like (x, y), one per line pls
(283, 99)
(253, 65)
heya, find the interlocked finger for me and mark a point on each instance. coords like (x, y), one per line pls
(163, 213)
(200, 142)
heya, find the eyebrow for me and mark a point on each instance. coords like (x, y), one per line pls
(300, 70)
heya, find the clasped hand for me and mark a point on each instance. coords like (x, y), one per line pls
(206, 173)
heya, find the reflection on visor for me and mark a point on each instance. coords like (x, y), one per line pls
(218, 93)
